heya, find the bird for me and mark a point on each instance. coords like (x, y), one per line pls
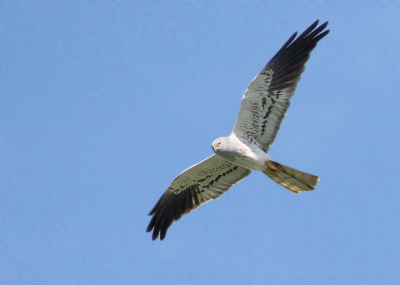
(263, 107)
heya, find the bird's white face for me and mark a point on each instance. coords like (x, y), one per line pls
(217, 144)
(223, 147)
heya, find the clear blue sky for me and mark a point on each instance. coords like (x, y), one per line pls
(103, 103)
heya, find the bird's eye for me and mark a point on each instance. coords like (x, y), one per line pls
(219, 143)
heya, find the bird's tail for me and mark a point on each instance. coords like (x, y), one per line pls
(292, 179)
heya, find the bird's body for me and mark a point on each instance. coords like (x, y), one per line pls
(263, 107)
(241, 152)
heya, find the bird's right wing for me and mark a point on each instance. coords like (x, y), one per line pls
(192, 188)
(266, 100)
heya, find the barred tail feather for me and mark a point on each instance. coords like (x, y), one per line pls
(292, 179)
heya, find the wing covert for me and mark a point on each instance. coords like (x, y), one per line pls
(193, 187)
(267, 99)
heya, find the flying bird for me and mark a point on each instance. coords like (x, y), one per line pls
(264, 104)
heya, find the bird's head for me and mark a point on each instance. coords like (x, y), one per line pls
(220, 144)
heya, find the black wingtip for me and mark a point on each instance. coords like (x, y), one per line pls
(289, 62)
(321, 35)
(155, 234)
(314, 24)
(325, 24)
(162, 236)
(154, 209)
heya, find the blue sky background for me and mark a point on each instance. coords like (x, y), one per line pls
(103, 103)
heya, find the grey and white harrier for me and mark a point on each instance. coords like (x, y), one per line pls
(264, 104)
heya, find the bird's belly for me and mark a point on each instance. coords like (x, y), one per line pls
(253, 159)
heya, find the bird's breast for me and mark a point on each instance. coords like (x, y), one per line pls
(245, 156)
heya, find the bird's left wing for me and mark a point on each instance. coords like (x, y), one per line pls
(266, 100)
(192, 188)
